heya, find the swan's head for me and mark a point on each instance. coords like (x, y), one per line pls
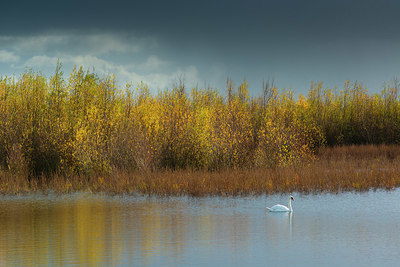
(291, 198)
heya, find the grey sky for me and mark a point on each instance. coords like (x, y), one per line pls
(292, 41)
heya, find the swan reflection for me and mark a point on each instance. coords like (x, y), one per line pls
(280, 224)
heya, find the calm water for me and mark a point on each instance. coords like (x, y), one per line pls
(82, 229)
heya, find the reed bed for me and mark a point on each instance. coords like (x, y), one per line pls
(338, 169)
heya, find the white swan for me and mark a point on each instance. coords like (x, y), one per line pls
(282, 208)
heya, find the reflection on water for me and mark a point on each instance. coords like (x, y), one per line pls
(84, 229)
(279, 225)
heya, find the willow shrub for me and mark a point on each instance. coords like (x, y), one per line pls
(86, 124)
(353, 116)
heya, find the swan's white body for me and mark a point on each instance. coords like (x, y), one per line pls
(282, 208)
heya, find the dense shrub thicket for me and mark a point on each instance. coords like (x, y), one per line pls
(87, 124)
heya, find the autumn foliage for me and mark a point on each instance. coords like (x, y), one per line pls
(86, 124)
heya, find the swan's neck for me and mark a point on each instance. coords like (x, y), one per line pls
(290, 205)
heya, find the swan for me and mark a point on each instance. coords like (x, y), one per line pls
(283, 208)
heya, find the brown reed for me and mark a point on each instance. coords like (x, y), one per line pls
(337, 169)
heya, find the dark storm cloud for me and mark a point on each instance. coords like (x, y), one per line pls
(219, 28)
(297, 41)
(199, 19)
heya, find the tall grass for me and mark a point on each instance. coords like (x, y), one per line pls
(339, 169)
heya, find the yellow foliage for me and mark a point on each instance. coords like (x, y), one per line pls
(87, 124)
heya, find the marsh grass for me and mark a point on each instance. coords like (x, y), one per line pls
(338, 169)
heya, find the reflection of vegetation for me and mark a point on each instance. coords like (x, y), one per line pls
(86, 126)
(81, 230)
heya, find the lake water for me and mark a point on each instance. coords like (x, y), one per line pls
(82, 229)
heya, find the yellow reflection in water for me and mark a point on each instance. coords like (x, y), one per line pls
(91, 231)
(64, 232)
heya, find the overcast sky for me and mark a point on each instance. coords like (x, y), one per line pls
(294, 42)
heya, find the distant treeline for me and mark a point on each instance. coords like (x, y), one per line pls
(86, 124)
